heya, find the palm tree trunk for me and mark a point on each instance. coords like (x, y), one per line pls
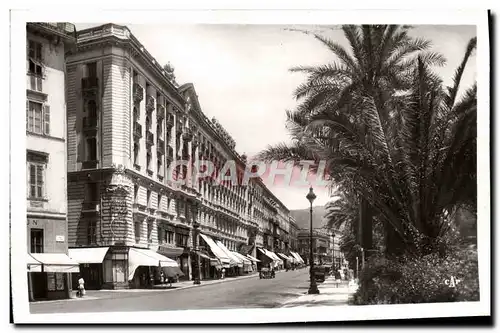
(365, 225)
(393, 243)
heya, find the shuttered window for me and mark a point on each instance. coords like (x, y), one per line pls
(37, 118)
(36, 180)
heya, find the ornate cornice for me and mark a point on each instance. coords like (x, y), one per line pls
(116, 35)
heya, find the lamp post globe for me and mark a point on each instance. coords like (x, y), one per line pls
(313, 288)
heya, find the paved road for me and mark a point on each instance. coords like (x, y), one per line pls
(251, 292)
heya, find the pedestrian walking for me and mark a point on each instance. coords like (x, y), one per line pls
(81, 287)
(223, 273)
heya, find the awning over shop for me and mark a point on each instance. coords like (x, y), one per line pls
(246, 249)
(243, 258)
(146, 257)
(234, 261)
(269, 254)
(247, 263)
(88, 255)
(51, 263)
(264, 252)
(275, 257)
(213, 261)
(284, 256)
(297, 256)
(170, 251)
(252, 258)
(172, 271)
(294, 256)
(216, 250)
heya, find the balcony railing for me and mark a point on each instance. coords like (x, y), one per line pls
(150, 138)
(90, 83)
(160, 145)
(90, 123)
(138, 92)
(170, 153)
(188, 134)
(170, 120)
(160, 111)
(91, 164)
(150, 103)
(137, 131)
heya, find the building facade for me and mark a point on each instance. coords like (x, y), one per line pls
(132, 133)
(46, 46)
(326, 246)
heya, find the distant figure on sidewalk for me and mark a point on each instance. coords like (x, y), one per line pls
(223, 273)
(81, 287)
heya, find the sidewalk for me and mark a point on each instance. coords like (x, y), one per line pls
(331, 293)
(110, 293)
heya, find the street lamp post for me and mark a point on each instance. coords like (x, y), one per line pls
(313, 288)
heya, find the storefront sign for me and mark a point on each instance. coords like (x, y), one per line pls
(60, 238)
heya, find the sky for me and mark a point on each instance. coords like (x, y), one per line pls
(241, 74)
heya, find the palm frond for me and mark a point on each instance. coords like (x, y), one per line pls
(453, 91)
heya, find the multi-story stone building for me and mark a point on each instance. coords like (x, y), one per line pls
(323, 246)
(48, 262)
(133, 132)
(293, 234)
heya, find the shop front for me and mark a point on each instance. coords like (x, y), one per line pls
(175, 253)
(91, 266)
(183, 260)
(255, 262)
(209, 265)
(223, 261)
(145, 268)
(235, 264)
(49, 275)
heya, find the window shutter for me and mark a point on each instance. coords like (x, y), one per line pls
(27, 115)
(46, 115)
(40, 181)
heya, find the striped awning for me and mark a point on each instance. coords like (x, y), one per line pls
(52, 263)
(216, 250)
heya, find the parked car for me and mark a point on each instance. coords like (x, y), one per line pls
(320, 272)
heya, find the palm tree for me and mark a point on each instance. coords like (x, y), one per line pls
(378, 64)
(390, 133)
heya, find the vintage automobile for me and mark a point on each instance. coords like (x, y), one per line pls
(321, 272)
(266, 273)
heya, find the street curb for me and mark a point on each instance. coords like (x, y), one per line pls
(212, 283)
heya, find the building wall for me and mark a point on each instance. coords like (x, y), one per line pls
(49, 214)
(235, 215)
(54, 233)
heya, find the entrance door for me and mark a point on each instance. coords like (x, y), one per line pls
(39, 282)
(92, 274)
